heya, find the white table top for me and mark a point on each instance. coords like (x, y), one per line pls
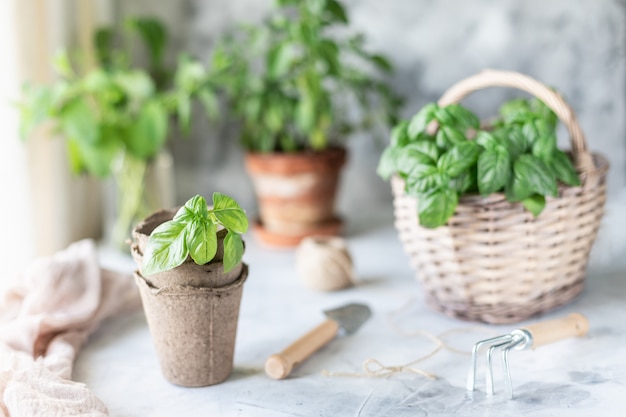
(576, 377)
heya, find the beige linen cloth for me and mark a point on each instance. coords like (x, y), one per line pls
(45, 318)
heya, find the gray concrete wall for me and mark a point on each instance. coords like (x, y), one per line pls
(577, 47)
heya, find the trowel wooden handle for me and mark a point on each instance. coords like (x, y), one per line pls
(280, 365)
(550, 331)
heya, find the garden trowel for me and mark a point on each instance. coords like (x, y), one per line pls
(347, 319)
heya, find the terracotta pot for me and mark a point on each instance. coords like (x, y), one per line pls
(296, 194)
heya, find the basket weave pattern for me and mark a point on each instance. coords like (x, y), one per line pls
(493, 261)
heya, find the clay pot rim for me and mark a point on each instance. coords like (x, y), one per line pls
(277, 240)
(289, 163)
(187, 291)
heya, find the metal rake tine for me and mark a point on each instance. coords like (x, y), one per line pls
(508, 383)
(471, 379)
(489, 374)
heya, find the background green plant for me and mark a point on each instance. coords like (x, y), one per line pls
(294, 86)
(117, 107)
(117, 116)
(193, 232)
(517, 156)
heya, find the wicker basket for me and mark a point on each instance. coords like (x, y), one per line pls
(493, 261)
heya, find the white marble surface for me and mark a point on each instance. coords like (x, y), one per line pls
(576, 377)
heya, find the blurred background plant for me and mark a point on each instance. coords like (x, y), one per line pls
(293, 85)
(116, 115)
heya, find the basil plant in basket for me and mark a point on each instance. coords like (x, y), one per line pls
(442, 153)
(115, 116)
(193, 232)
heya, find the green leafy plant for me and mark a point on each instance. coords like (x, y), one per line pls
(293, 86)
(116, 117)
(518, 155)
(117, 107)
(193, 232)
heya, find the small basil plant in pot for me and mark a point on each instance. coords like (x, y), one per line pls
(190, 279)
(298, 92)
(442, 154)
(193, 233)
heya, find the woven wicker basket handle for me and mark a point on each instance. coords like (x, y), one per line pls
(493, 78)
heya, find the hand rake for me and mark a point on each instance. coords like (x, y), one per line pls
(531, 336)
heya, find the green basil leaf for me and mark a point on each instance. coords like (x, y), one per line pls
(544, 146)
(463, 117)
(202, 240)
(563, 168)
(387, 164)
(95, 158)
(444, 117)
(399, 134)
(153, 34)
(536, 175)
(166, 249)
(382, 63)
(229, 214)
(535, 204)
(419, 122)
(436, 207)
(194, 208)
(517, 189)
(148, 133)
(280, 58)
(337, 11)
(464, 182)
(426, 147)
(136, 84)
(459, 158)
(79, 122)
(97, 80)
(516, 142)
(486, 140)
(453, 135)
(233, 250)
(529, 129)
(494, 170)
(329, 51)
(516, 110)
(408, 158)
(544, 112)
(305, 114)
(422, 178)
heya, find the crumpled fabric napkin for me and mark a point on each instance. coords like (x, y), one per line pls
(45, 318)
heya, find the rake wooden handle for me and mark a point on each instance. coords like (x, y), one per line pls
(551, 331)
(280, 365)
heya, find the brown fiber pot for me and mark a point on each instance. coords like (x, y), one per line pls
(296, 194)
(193, 329)
(192, 311)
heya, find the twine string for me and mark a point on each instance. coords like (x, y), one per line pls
(373, 368)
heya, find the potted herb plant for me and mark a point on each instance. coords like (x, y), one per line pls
(116, 117)
(298, 93)
(497, 220)
(191, 278)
